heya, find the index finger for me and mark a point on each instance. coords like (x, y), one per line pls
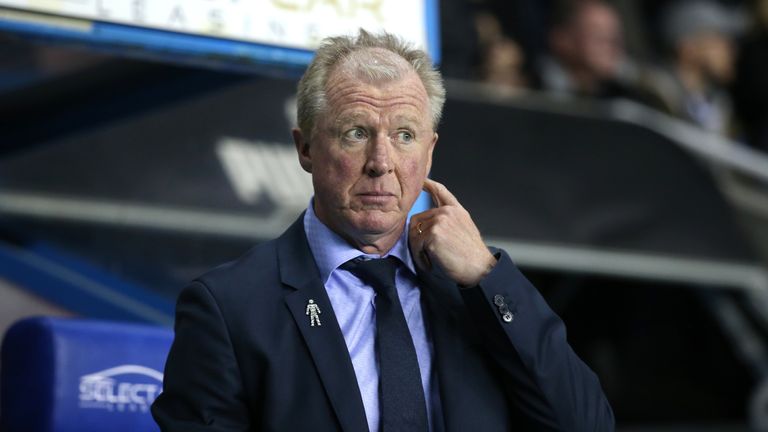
(440, 194)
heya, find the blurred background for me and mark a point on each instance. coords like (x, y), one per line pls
(616, 149)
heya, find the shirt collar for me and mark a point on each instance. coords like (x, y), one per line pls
(330, 250)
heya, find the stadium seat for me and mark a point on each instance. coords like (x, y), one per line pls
(61, 375)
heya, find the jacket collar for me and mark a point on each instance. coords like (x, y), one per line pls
(325, 342)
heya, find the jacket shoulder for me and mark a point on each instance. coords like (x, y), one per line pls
(252, 272)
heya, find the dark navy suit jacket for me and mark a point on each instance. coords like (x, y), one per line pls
(245, 357)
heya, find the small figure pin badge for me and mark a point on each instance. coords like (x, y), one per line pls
(313, 310)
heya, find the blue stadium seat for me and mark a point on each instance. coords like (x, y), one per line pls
(61, 375)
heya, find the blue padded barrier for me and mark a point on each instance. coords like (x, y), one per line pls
(62, 375)
(79, 287)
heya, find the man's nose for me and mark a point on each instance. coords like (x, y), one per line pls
(379, 156)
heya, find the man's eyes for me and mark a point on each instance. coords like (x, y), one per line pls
(360, 134)
(405, 136)
(355, 134)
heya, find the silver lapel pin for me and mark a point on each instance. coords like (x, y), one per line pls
(313, 310)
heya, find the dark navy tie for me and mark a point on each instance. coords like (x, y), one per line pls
(401, 397)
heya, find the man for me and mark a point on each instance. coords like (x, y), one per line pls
(587, 48)
(587, 56)
(450, 337)
(700, 36)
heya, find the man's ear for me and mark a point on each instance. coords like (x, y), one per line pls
(302, 149)
(429, 153)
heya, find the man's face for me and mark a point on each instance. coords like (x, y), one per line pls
(717, 56)
(599, 39)
(369, 154)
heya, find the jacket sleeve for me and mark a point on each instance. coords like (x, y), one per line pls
(202, 387)
(552, 386)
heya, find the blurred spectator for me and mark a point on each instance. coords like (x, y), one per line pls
(502, 65)
(487, 27)
(524, 21)
(699, 36)
(751, 84)
(587, 52)
(502, 60)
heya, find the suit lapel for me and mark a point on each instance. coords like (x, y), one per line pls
(440, 309)
(325, 342)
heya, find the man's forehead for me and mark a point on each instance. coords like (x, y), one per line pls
(353, 90)
(355, 114)
(355, 98)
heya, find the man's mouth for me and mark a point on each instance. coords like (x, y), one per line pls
(375, 197)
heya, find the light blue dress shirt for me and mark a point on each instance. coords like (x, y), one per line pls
(354, 307)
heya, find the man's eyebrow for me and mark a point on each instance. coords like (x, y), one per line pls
(404, 118)
(361, 116)
(351, 117)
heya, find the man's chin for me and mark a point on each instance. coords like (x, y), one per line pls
(375, 222)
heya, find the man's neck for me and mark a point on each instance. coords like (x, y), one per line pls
(369, 243)
(378, 244)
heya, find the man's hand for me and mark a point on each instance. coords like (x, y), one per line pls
(447, 237)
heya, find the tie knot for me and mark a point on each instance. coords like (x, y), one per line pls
(378, 273)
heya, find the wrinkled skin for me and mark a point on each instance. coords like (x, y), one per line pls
(369, 155)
